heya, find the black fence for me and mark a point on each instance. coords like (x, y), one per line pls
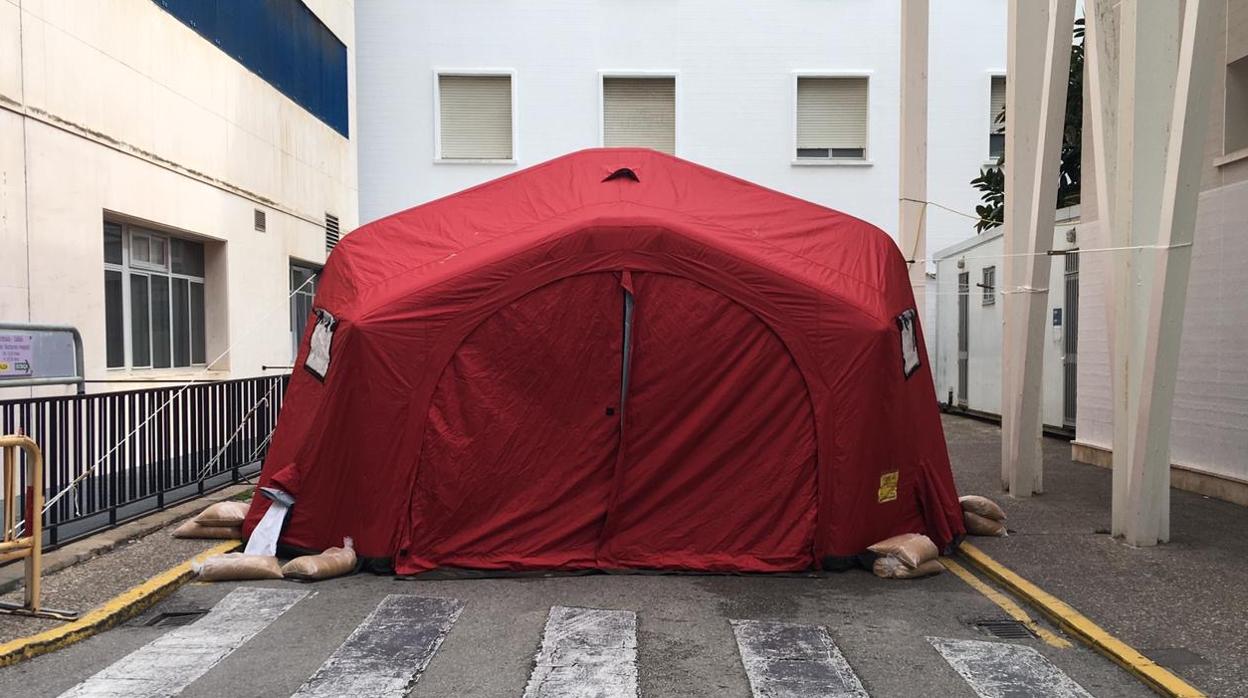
(142, 450)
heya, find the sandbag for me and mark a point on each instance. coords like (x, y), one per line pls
(977, 525)
(911, 548)
(333, 562)
(236, 566)
(889, 567)
(194, 529)
(223, 514)
(982, 506)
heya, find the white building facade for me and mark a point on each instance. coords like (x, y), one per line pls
(965, 334)
(163, 179)
(1209, 426)
(798, 96)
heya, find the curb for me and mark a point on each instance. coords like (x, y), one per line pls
(116, 610)
(1075, 623)
(13, 574)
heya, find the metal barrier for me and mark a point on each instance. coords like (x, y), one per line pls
(29, 546)
(119, 455)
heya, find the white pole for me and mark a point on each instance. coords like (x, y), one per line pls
(1038, 67)
(1162, 273)
(913, 153)
(1102, 74)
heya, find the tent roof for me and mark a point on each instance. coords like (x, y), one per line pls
(420, 247)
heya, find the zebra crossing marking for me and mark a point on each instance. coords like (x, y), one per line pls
(168, 664)
(1003, 670)
(586, 652)
(386, 653)
(794, 661)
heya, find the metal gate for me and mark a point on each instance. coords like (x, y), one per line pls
(1070, 343)
(964, 339)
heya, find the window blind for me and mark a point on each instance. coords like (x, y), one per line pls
(832, 113)
(475, 117)
(996, 104)
(639, 112)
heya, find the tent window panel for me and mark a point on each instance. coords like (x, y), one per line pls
(639, 112)
(831, 118)
(996, 117)
(475, 117)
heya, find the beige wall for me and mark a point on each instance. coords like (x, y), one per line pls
(1210, 434)
(114, 107)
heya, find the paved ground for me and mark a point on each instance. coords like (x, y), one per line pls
(684, 641)
(84, 574)
(1184, 604)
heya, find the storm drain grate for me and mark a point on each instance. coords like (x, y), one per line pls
(1005, 629)
(175, 618)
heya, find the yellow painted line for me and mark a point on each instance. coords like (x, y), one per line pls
(1075, 623)
(1006, 603)
(122, 607)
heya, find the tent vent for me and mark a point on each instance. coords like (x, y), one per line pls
(1005, 629)
(622, 173)
(331, 232)
(260, 220)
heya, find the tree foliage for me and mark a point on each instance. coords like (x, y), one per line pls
(991, 181)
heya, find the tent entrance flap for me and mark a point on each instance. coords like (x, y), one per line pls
(718, 457)
(522, 466)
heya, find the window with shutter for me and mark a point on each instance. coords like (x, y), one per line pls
(831, 118)
(996, 117)
(639, 112)
(474, 116)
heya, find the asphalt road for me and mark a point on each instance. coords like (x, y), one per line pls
(669, 635)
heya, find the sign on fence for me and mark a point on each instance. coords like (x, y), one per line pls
(40, 355)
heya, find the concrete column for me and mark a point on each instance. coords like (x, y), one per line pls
(1166, 74)
(913, 154)
(1038, 66)
(1101, 64)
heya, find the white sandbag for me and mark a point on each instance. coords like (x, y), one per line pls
(194, 529)
(911, 548)
(223, 514)
(235, 567)
(889, 567)
(977, 525)
(333, 562)
(982, 506)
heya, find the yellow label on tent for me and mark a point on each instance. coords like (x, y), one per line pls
(888, 487)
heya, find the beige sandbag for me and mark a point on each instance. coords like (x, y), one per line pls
(223, 514)
(334, 562)
(911, 548)
(982, 506)
(889, 567)
(194, 529)
(236, 566)
(977, 525)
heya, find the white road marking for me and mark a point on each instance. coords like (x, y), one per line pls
(168, 664)
(586, 652)
(794, 661)
(1003, 670)
(386, 654)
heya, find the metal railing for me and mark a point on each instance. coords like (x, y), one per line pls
(143, 449)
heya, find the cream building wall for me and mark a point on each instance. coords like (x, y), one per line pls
(1209, 441)
(116, 109)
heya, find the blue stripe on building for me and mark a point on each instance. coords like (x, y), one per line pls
(283, 42)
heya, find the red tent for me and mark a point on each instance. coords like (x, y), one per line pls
(614, 359)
